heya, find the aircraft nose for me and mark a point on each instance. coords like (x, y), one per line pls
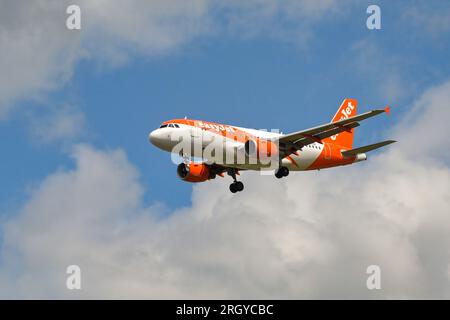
(153, 137)
(157, 138)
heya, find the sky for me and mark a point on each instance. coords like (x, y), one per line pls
(82, 185)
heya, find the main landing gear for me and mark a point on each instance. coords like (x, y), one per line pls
(236, 186)
(281, 172)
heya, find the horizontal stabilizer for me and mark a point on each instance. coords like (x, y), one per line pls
(368, 148)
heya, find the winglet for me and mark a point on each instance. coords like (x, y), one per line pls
(387, 110)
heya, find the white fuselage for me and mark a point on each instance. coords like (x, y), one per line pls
(201, 140)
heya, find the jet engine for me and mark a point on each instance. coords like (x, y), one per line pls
(194, 172)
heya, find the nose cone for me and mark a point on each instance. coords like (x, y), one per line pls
(153, 137)
(156, 138)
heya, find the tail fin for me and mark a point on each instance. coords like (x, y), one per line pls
(346, 110)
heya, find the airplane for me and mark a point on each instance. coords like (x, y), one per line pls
(325, 146)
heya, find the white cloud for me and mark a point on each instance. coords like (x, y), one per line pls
(309, 236)
(63, 123)
(38, 54)
(434, 19)
(113, 32)
(383, 71)
(291, 21)
(431, 132)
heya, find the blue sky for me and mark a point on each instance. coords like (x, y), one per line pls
(257, 81)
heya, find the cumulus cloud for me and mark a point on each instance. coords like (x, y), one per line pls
(428, 110)
(383, 69)
(309, 236)
(271, 18)
(150, 28)
(38, 54)
(435, 19)
(64, 123)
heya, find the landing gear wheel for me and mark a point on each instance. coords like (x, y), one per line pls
(281, 172)
(236, 187)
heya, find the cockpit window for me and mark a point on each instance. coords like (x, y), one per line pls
(170, 125)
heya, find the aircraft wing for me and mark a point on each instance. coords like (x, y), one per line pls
(297, 140)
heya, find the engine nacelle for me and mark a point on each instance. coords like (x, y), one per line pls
(360, 157)
(260, 149)
(194, 172)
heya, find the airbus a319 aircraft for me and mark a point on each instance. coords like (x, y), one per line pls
(324, 146)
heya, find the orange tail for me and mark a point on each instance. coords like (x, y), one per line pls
(346, 110)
